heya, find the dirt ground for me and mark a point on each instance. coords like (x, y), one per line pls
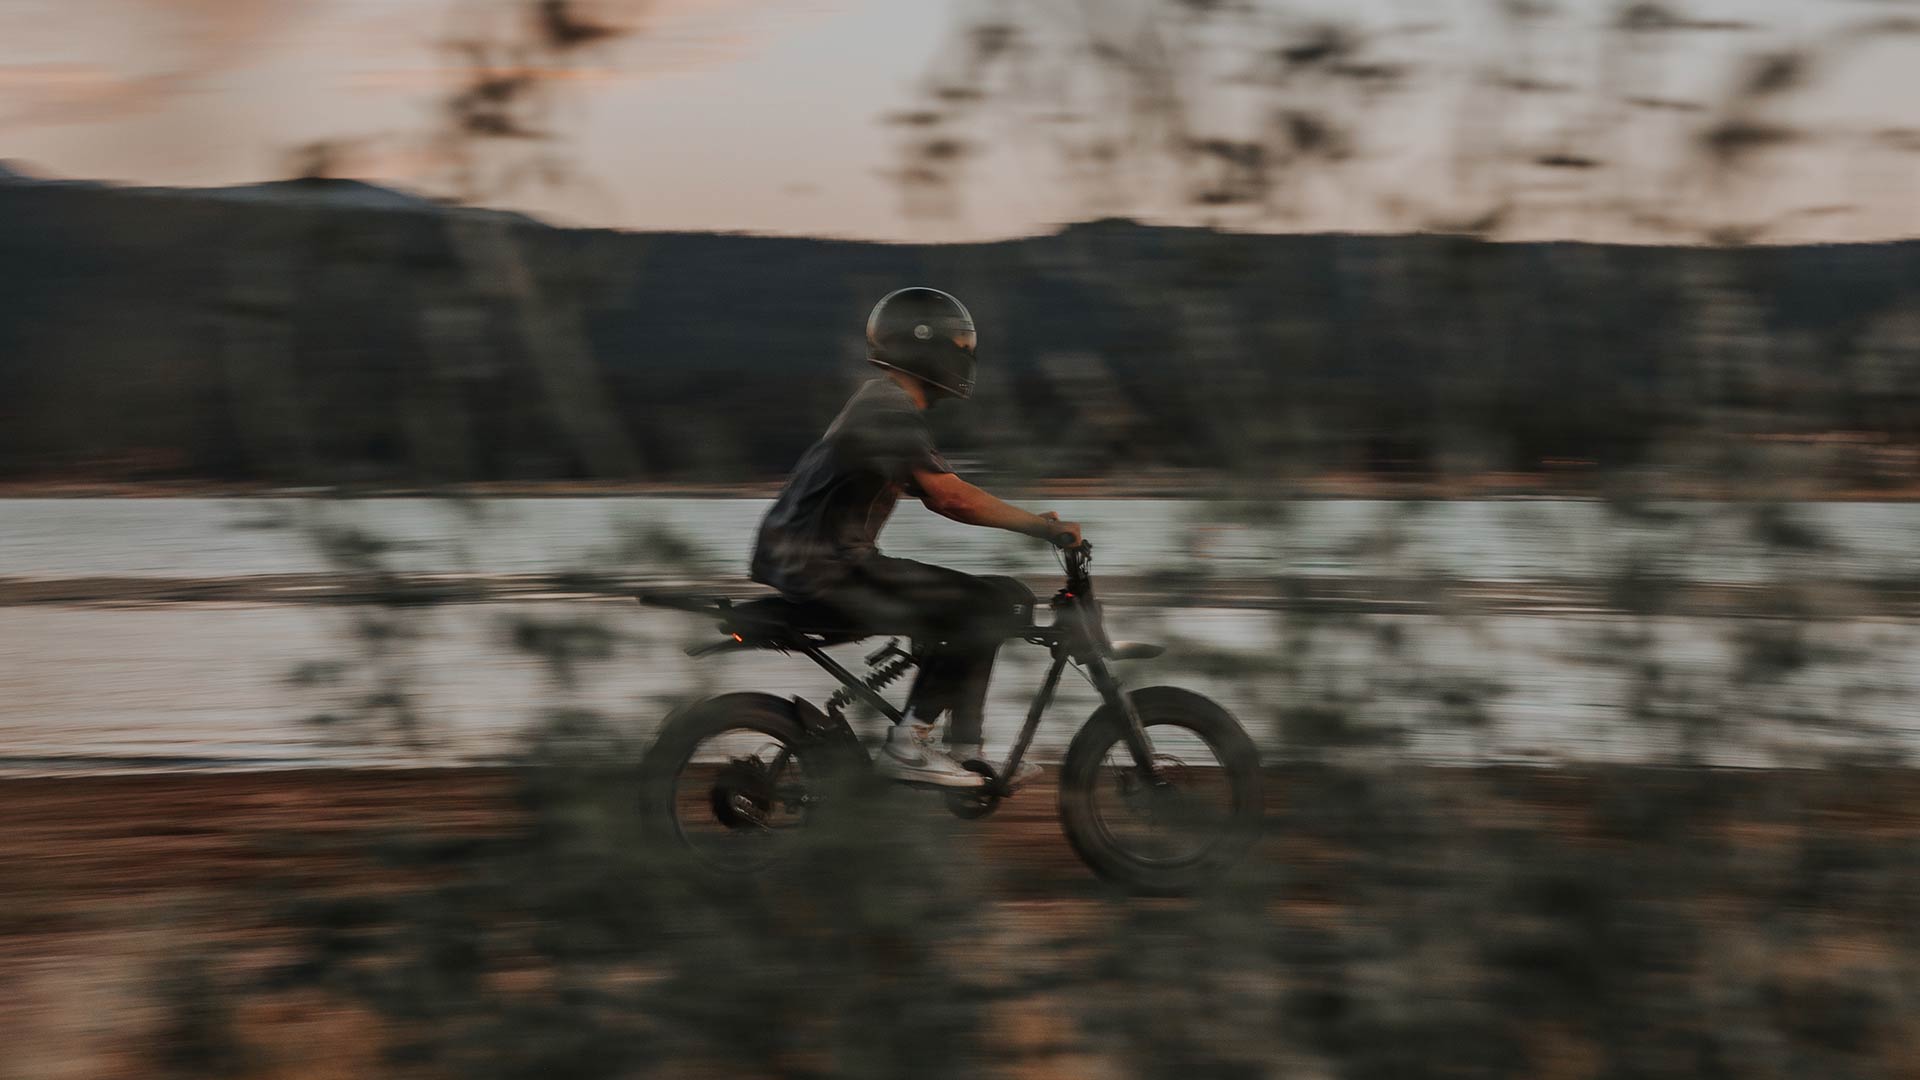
(110, 885)
(112, 889)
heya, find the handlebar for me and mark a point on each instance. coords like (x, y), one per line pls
(1077, 556)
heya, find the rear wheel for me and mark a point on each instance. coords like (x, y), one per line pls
(729, 781)
(1177, 835)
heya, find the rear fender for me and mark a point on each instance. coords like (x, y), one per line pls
(805, 713)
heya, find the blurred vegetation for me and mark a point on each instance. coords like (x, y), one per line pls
(1404, 919)
(1401, 920)
(1644, 119)
(567, 947)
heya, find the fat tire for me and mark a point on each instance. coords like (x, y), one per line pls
(681, 733)
(1082, 769)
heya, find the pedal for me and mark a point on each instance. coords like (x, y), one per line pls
(1026, 774)
(972, 804)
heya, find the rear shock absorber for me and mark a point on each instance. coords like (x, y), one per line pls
(886, 666)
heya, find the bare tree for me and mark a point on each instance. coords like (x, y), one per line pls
(1523, 117)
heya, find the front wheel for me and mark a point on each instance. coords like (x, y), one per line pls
(1172, 837)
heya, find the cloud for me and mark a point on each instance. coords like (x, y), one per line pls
(681, 35)
(654, 38)
(221, 34)
(76, 94)
(441, 77)
(137, 57)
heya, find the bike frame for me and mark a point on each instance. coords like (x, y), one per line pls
(1077, 634)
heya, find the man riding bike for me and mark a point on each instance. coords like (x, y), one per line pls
(817, 542)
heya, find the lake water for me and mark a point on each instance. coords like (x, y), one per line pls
(207, 685)
(1484, 539)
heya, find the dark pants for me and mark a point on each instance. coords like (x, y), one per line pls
(957, 622)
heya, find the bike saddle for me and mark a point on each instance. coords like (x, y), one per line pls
(779, 613)
(761, 612)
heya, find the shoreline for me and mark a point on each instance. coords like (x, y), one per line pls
(1329, 486)
(1852, 599)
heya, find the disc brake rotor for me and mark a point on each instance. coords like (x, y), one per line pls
(1133, 786)
(743, 794)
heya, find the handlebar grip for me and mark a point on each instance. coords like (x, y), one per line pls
(1064, 540)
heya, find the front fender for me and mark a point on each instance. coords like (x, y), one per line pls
(1133, 650)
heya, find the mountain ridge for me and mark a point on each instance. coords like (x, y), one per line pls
(301, 329)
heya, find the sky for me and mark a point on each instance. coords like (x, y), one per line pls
(767, 116)
(723, 114)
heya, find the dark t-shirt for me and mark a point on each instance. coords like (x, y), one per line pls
(830, 513)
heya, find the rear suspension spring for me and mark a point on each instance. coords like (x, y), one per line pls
(888, 665)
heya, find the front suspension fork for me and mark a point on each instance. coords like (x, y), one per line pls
(1133, 729)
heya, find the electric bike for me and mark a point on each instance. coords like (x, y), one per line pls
(1160, 789)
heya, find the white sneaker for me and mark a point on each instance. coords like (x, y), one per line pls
(910, 754)
(965, 752)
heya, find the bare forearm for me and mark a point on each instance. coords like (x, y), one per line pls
(972, 506)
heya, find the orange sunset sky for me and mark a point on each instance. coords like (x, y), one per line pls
(767, 116)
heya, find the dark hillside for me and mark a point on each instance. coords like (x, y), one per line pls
(332, 330)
